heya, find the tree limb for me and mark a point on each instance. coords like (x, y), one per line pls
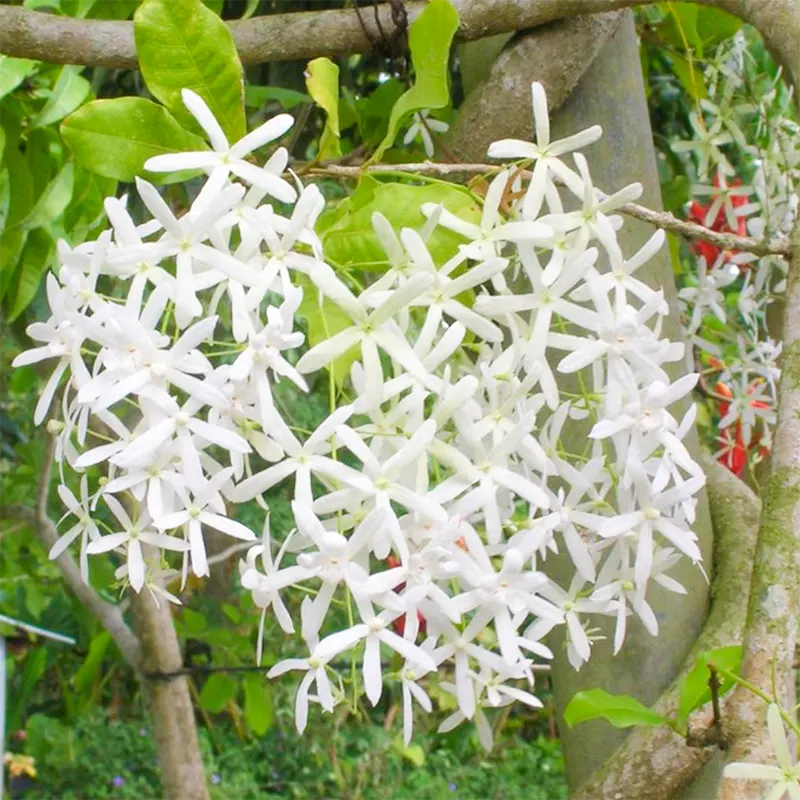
(660, 219)
(307, 34)
(774, 609)
(107, 614)
(656, 763)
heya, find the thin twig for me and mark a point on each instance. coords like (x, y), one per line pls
(713, 685)
(660, 219)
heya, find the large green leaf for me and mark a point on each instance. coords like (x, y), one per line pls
(258, 708)
(69, 91)
(695, 690)
(12, 72)
(53, 200)
(39, 248)
(20, 187)
(217, 691)
(322, 82)
(184, 45)
(620, 710)
(115, 137)
(348, 236)
(429, 40)
(715, 26)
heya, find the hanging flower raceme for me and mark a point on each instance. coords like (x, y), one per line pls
(453, 463)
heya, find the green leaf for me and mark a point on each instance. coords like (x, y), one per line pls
(690, 77)
(376, 108)
(217, 691)
(257, 96)
(39, 248)
(192, 622)
(53, 200)
(620, 710)
(114, 138)
(349, 238)
(250, 9)
(675, 193)
(186, 46)
(683, 17)
(12, 72)
(322, 82)
(413, 753)
(70, 90)
(12, 242)
(715, 26)
(429, 40)
(88, 672)
(20, 187)
(258, 707)
(695, 691)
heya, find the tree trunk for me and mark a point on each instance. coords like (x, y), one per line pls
(610, 92)
(169, 702)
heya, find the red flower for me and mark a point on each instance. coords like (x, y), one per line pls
(733, 452)
(697, 213)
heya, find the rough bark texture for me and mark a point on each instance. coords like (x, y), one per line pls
(556, 55)
(611, 93)
(656, 763)
(774, 610)
(169, 702)
(282, 37)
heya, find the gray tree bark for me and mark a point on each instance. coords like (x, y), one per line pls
(169, 701)
(611, 93)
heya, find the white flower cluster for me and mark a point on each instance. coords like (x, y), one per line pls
(428, 508)
(770, 157)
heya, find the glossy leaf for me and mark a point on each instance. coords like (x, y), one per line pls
(217, 691)
(715, 26)
(69, 91)
(53, 200)
(186, 46)
(695, 691)
(36, 256)
(620, 710)
(12, 72)
(429, 40)
(348, 236)
(322, 82)
(115, 137)
(258, 708)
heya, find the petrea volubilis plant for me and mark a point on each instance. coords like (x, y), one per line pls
(437, 490)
